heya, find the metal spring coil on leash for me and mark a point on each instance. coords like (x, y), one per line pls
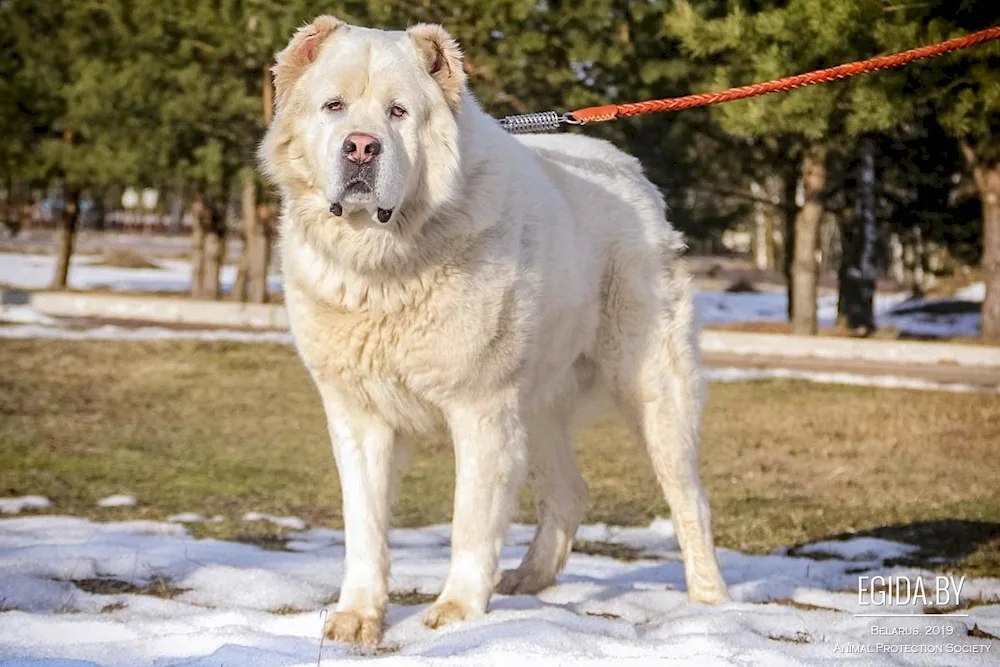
(543, 121)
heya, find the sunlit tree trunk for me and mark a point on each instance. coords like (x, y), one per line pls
(198, 220)
(67, 237)
(987, 179)
(804, 265)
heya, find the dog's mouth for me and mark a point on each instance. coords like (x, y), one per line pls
(358, 191)
(357, 187)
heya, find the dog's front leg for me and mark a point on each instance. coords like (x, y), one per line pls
(363, 446)
(490, 450)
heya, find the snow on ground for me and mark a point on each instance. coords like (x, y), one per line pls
(602, 611)
(116, 501)
(935, 318)
(19, 504)
(174, 275)
(25, 315)
(113, 332)
(938, 317)
(859, 548)
(725, 374)
(824, 377)
(714, 307)
(772, 306)
(973, 292)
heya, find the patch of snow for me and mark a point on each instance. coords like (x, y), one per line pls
(173, 275)
(601, 611)
(116, 501)
(860, 548)
(882, 381)
(17, 505)
(934, 325)
(293, 522)
(253, 588)
(24, 315)
(972, 292)
(112, 332)
(715, 307)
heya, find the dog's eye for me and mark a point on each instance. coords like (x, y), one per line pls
(397, 111)
(333, 106)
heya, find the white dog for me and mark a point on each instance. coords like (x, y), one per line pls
(442, 276)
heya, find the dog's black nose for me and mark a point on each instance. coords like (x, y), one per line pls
(361, 148)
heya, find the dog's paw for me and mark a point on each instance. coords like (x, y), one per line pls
(354, 628)
(445, 612)
(523, 582)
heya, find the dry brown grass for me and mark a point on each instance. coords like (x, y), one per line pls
(227, 428)
(411, 597)
(156, 587)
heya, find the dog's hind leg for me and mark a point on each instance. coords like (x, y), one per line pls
(669, 424)
(561, 501)
(655, 373)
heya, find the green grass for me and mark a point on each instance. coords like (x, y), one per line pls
(227, 428)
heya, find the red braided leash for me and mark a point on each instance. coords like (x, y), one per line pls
(613, 111)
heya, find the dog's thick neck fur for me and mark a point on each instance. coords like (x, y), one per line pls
(355, 265)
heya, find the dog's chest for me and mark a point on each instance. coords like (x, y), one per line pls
(403, 365)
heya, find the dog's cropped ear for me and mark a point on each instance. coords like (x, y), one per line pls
(443, 59)
(292, 61)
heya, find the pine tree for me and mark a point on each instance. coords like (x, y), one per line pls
(964, 90)
(741, 42)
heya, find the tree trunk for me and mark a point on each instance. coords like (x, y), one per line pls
(897, 269)
(258, 242)
(261, 258)
(198, 215)
(991, 254)
(765, 206)
(67, 235)
(987, 180)
(919, 281)
(176, 212)
(208, 248)
(215, 257)
(848, 223)
(858, 274)
(248, 214)
(988, 183)
(772, 186)
(239, 291)
(791, 213)
(256, 223)
(761, 239)
(806, 233)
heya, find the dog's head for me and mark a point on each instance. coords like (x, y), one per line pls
(365, 120)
